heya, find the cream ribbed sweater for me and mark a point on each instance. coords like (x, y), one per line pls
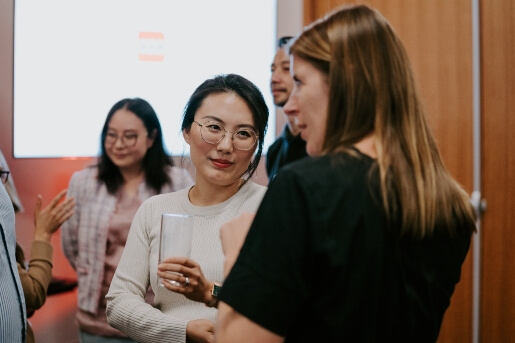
(166, 322)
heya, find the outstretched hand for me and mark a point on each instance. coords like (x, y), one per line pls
(50, 218)
(184, 276)
(233, 235)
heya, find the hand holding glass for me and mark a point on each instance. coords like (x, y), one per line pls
(176, 237)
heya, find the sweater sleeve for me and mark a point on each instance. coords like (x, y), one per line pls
(36, 279)
(126, 307)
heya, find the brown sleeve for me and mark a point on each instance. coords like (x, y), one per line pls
(35, 281)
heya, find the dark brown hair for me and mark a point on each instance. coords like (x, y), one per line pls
(156, 162)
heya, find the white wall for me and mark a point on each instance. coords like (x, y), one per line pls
(289, 23)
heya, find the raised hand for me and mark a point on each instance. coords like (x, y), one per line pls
(50, 218)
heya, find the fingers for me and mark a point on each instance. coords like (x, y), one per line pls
(37, 209)
(63, 210)
(57, 198)
(183, 275)
(182, 261)
(39, 202)
(170, 267)
(52, 217)
(63, 216)
(177, 280)
(179, 268)
(190, 282)
(177, 283)
(66, 207)
(62, 213)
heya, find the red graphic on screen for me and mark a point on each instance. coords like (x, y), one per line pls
(151, 46)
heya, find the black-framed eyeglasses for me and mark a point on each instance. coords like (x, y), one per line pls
(213, 132)
(4, 176)
(128, 139)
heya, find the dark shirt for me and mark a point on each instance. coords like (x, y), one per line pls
(322, 263)
(286, 148)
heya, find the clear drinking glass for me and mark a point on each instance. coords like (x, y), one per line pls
(176, 236)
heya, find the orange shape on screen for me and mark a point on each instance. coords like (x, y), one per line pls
(151, 46)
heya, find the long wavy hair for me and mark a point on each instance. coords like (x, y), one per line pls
(372, 91)
(156, 162)
(246, 90)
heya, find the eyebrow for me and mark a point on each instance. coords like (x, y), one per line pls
(281, 63)
(123, 131)
(215, 118)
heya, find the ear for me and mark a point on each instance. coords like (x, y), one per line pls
(186, 135)
(151, 138)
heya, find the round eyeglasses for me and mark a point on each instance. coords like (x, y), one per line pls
(128, 139)
(213, 132)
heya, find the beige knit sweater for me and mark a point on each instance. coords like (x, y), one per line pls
(167, 320)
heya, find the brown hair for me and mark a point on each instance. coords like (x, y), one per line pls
(372, 91)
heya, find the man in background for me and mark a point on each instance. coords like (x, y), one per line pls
(289, 146)
(12, 302)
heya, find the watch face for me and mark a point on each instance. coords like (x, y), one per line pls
(216, 290)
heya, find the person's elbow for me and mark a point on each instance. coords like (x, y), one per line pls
(111, 311)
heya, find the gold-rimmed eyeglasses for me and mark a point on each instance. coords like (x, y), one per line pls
(213, 132)
(4, 176)
(128, 139)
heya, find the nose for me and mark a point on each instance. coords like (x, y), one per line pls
(118, 143)
(275, 77)
(226, 143)
(291, 106)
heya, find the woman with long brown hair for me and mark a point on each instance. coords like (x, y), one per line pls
(364, 241)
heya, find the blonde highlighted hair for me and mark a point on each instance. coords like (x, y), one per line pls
(372, 91)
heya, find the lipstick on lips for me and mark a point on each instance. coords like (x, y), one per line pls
(220, 163)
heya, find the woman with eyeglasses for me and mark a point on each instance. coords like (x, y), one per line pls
(224, 124)
(365, 240)
(132, 167)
